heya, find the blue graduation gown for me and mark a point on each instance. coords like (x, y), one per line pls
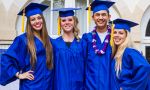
(135, 73)
(17, 58)
(68, 65)
(97, 67)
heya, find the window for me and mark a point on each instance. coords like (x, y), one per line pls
(148, 29)
(148, 53)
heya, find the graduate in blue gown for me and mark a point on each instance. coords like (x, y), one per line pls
(68, 56)
(29, 58)
(97, 48)
(130, 70)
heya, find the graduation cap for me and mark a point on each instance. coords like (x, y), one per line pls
(100, 5)
(64, 12)
(123, 24)
(31, 9)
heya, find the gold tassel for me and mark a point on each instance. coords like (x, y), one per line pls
(89, 15)
(58, 23)
(111, 40)
(112, 35)
(23, 20)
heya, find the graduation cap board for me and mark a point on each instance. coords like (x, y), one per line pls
(100, 5)
(32, 9)
(65, 12)
(123, 24)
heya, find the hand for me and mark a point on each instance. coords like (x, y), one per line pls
(121, 89)
(26, 75)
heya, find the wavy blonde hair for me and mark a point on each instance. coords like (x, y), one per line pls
(46, 42)
(119, 50)
(76, 30)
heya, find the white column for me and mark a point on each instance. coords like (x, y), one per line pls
(69, 3)
(51, 25)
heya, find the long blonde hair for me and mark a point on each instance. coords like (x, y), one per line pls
(119, 50)
(76, 30)
(46, 42)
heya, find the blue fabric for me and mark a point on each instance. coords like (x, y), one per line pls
(33, 9)
(1, 52)
(97, 68)
(17, 59)
(65, 12)
(68, 65)
(135, 73)
(100, 5)
(123, 24)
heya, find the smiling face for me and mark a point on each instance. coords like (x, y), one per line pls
(67, 23)
(101, 18)
(36, 22)
(119, 36)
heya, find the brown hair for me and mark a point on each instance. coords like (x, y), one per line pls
(46, 42)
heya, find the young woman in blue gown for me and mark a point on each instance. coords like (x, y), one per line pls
(68, 56)
(29, 58)
(130, 70)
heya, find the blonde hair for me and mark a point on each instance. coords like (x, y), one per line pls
(119, 50)
(46, 42)
(76, 30)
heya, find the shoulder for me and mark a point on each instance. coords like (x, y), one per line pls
(87, 36)
(21, 39)
(132, 54)
(56, 40)
(131, 51)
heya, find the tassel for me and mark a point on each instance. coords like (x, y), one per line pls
(23, 16)
(89, 15)
(112, 35)
(58, 23)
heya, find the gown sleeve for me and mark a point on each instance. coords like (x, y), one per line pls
(12, 61)
(139, 70)
(84, 45)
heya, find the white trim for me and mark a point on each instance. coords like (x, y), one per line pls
(143, 47)
(144, 23)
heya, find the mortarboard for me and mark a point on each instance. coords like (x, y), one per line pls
(123, 24)
(32, 9)
(64, 12)
(100, 5)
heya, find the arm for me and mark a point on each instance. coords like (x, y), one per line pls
(140, 71)
(84, 42)
(12, 61)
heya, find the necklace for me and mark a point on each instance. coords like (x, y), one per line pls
(106, 41)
